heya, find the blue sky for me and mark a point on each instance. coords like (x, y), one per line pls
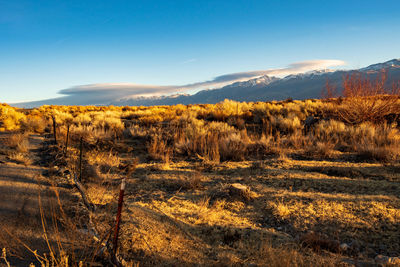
(48, 46)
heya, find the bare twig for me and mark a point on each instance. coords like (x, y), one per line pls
(4, 257)
(85, 200)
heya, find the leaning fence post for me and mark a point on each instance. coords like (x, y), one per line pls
(118, 218)
(54, 129)
(66, 140)
(80, 159)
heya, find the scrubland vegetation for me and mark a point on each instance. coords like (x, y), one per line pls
(290, 183)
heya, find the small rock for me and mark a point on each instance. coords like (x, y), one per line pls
(344, 247)
(241, 191)
(238, 187)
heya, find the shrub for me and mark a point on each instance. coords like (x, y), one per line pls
(366, 100)
(107, 120)
(82, 119)
(91, 134)
(19, 142)
(264, 146)
(321, 150)
(159, 150)
(10, 118)
(34, 123)
(380, 143)
(330, 131)
(107, 161)
(386, 153)
(286, 125)
(233, 146)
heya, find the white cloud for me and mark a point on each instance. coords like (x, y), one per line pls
(118, 89)
(189, 61)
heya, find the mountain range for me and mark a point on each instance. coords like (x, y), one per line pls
(265, 88)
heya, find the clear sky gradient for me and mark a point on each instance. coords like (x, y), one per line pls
(47, 46)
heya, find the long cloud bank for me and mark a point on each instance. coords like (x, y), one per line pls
(104, 93)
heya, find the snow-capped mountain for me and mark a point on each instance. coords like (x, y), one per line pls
(264, 88)
(260, 81)
(394, 63)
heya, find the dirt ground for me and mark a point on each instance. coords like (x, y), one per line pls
(24, 193)
(186, 213)
(356, 204)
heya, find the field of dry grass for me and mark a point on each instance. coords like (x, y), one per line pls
(292, 183)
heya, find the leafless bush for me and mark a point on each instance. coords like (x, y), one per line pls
(366, 100)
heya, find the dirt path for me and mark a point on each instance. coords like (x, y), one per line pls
(20, 217)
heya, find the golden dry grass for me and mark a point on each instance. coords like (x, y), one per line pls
(334, 181)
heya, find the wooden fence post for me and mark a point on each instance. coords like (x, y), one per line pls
(80, 159)
(54, 129)
(66, 140)
(118, 218)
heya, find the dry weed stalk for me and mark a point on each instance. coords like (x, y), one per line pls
(4, 257)
(159, 150)
(19, 142)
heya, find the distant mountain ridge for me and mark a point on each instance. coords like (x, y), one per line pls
(394, 63)
(265, 88)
